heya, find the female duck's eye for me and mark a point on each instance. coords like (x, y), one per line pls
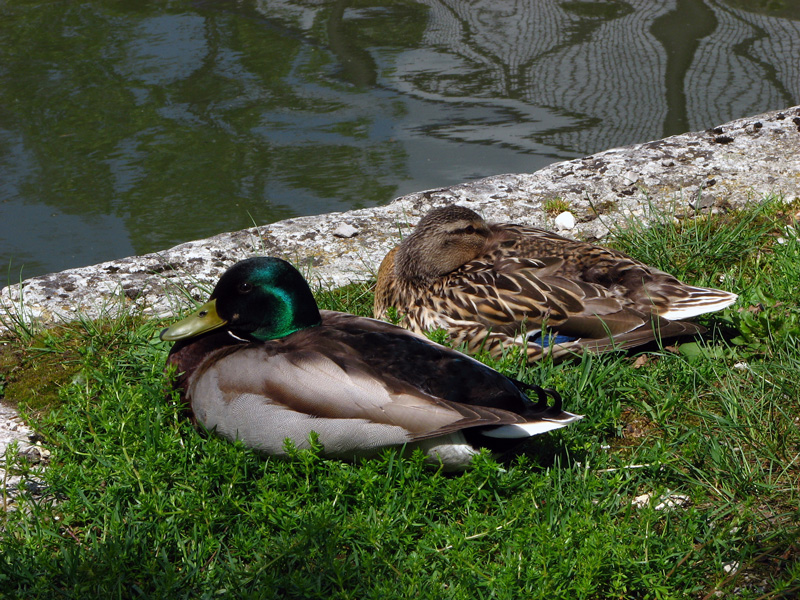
(469, 230)
(245, 287)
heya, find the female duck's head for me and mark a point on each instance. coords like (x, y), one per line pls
(443, 240)
(264, 298)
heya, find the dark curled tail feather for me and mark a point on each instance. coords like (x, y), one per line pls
(544, 395)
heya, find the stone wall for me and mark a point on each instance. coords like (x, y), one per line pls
(729, 165)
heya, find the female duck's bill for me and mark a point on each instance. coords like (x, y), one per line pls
(261, 363)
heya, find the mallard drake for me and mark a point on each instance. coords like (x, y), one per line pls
(261, 363)
(495, 286)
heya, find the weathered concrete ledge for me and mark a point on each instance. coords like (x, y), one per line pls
(728, 165)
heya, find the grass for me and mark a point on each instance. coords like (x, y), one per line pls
(555, 206)
(140, 504)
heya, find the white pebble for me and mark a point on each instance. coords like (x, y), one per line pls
(667, 501)
(345, 230)
(672, 501)
(731, 567)
(565, 220)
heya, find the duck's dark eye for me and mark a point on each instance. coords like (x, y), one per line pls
(469, 230)
(245, 287)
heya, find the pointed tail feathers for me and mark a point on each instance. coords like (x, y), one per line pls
(534, 427)
(543, 416)
(699, 302)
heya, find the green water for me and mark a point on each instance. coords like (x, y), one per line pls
(127, 127)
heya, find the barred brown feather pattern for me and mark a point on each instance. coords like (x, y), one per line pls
(513, 281)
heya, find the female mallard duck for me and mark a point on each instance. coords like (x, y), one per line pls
(261, 363)
(501, 285)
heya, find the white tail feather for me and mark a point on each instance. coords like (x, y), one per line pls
(699, 302)
(523, 430)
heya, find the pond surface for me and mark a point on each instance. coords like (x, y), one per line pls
(127, 127)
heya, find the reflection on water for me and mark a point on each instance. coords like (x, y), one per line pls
(127, 127)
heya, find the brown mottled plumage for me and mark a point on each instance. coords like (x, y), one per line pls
(498, 285)
(260, 363)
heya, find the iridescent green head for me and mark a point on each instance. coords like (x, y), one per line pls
(264, 298)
